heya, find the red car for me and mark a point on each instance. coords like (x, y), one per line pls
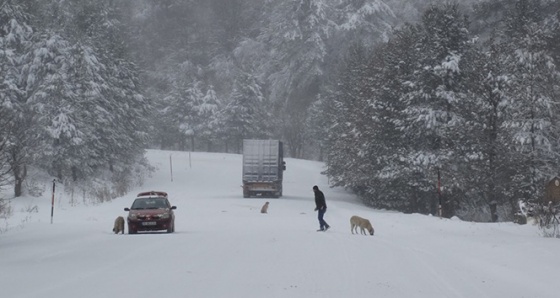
(151, 211)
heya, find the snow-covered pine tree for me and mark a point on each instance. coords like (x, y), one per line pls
(207, 112)
(533, 106)
(396, 181)
(369, 21)
(372, 131)
(487, 145)
(6, 127)
(52, 98)
(295, 33)
(16, 45)
(432, 119)
(244, 116)
(181, 109)
(552, 24)
(349, 122)
(317, 126)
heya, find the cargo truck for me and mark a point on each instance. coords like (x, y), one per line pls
(263, 168)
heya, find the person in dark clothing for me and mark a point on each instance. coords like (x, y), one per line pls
(321, 206)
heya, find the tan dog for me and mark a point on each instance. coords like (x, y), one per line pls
(364, 224)
(119, 225)
(264, 208)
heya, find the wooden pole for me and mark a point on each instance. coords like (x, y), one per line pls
(439, 192)
(52, 200)
(171, 167)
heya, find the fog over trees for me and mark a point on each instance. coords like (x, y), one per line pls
(390, 94)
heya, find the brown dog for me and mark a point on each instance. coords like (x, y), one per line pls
(362, 223)
(264, 208)
(119, 225)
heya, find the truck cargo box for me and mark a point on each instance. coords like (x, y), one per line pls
(263, 167)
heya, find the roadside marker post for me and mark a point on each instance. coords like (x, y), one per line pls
(52, 200)
(171, 167)
(439, 193)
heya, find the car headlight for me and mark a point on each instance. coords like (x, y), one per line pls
(165, 215)
(132, 216)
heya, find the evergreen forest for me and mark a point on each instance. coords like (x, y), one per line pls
(412, 105)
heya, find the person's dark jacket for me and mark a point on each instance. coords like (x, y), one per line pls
(320, 202)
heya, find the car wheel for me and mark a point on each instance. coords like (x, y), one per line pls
(171, 229)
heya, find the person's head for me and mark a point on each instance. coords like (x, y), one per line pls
(315, 188)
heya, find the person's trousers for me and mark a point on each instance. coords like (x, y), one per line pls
(322, 222)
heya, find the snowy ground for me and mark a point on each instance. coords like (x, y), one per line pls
(224, 247)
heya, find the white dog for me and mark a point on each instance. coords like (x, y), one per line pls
(364, 224)
(264, 208)
(119, 225)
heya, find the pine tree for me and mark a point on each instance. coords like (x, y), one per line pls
(533, 104)
(397, 180)
(432, 119)
(244, 116)
(368, 21)
(16, 45)
(296, 36)
(350, 122)
(181, 109)
(207, 112)
(317, 126)
(487, 145)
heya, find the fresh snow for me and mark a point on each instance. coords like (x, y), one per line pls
(224, 247)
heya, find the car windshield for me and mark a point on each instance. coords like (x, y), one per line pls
(153, 203)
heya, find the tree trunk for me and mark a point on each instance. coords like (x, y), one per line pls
(20, 172)
(494, 211)
(74, 174)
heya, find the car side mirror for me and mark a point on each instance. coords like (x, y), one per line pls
(126, 209)
(173, 207)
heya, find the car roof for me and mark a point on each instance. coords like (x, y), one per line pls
(151, 194)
